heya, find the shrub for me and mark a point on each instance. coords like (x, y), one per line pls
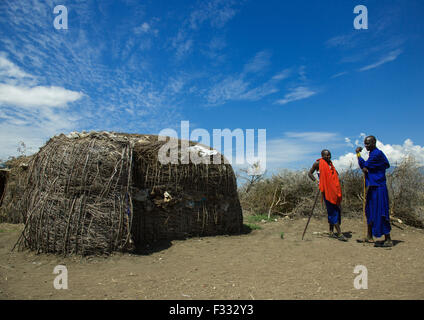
(291, 193)
(406, 191)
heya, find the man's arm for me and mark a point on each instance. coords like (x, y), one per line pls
(315, 167)
(374, 161)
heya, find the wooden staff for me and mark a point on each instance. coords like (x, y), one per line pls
(365, 215)
(312, 211)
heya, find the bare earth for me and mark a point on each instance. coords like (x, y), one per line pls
(257, 265)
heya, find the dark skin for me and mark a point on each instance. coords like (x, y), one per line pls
(370, 144)
(326, 155)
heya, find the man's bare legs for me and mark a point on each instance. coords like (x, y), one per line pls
(387, 239)
(339, 235)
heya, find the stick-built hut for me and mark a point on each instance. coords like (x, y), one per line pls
(102, 192)
(12, 187)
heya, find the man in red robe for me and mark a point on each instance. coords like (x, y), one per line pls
(331, 191)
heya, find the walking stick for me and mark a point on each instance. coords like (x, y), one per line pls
(312, 211)
(365, 216)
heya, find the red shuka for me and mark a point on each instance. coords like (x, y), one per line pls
(329, 183)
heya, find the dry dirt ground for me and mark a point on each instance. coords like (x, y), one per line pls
(256, 265)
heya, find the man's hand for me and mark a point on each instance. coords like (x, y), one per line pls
(359, 149)
(365, 170)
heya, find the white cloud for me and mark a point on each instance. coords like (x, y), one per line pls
(182, 43)
(349, 142)
(342, 41)
(217, 12)
(259, 92)
(145, 27)
(296, 148)
(397, 153)
(30, 113)
(15, 89)
(313, 136)
(229, 89)
(38, 96)
(394, 153)
(34, 129)
(339, 74)
(238, 86)
(295, 94)
(284, 151)
(258, 63)
(391, 56)
(9, 70)
(282, 75)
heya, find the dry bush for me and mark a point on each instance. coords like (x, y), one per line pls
(288, 193)
(406, 191)
(352, 184)
(292, 193)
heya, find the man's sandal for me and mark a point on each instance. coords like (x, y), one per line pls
(366, 240)
(386, 244)
(340, 237)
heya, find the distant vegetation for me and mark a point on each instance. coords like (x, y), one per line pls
(291, 193)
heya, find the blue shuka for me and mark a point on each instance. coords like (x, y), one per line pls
(333, 212)
(377, 205)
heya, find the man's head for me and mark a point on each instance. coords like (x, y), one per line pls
(326, 155)
(370, 143)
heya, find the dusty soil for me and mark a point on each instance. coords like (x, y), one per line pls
(256, 265)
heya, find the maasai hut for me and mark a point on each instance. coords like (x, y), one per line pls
(102, 192)
(3, 178)
(12, 187)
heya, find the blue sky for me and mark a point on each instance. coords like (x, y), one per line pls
(298, 69)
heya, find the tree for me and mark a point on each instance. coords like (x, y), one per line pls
(252, 175)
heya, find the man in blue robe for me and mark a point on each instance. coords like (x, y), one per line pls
(377, 198)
